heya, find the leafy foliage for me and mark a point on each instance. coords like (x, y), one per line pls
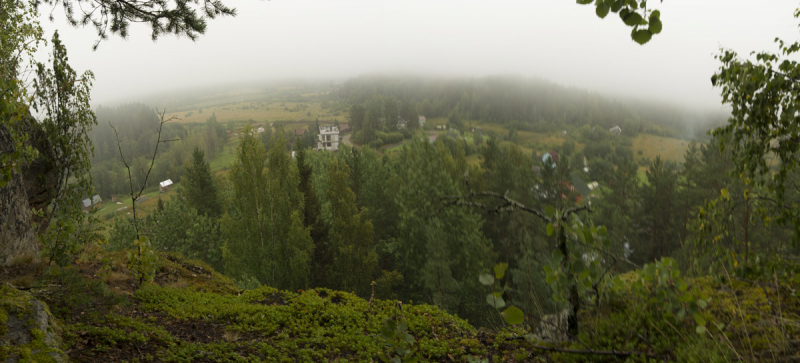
(179, 17)
(265, 235)
(633, 13)
(763, 126)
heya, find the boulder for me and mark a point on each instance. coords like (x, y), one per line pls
(28, 331)
(17, 240)
(32, 187)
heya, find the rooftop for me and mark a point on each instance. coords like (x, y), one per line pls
(328, 130)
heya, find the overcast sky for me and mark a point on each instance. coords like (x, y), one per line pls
(557, 40)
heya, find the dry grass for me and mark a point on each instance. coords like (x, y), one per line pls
(259, 112)
(667, 147)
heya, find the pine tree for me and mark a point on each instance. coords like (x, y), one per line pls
(350, 234)
(312, 217)
(200, 189)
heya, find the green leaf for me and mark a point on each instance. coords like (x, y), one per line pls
(602, 10)
(655, 25)
(486, 279)
(633, 18)
(549, 211)
(700, 329)
(641, 36)
(584, 2)
(550, 229)
(500, 270)
(513, 315)
(701, 303)
(602, 231)
(699, 319)
(557, 256)
(495, 301)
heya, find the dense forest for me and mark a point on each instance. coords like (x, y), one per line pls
(547, 236)
(310, 220)
(517, 103)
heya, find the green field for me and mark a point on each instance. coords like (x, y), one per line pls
(108, 209)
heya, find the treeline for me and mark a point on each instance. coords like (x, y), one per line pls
(135, 138)
(343, 220)
(523, 104)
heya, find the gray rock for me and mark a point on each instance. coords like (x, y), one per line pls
(17, 240)
(553, 328)
(29, 330)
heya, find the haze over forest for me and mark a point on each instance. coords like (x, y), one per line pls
(554, 40)
(363, 181)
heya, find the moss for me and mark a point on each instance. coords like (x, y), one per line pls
(314, 324)
(192, 313)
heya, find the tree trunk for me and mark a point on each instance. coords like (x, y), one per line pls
(572, 295)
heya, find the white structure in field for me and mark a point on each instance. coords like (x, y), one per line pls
(165, 186)
(328, 138)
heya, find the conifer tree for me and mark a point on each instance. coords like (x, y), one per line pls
(312, 217)
(200, 189)
(354, 256)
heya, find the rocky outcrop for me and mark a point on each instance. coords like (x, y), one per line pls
(32, 187)
(17, 239)
(553, 328)
(39, 175)
(28, 331)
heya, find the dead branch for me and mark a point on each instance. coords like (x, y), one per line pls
(509, 205)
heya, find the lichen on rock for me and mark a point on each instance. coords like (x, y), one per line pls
(28, 332)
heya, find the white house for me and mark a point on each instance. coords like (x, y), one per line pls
(422, 120)
(165, 186)
(90, 203)
(616, 130)
(328, 138)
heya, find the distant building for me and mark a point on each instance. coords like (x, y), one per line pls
(344, 128)
(564, 132)
(299, 132)
(260, 130)
(616, 130)
(401, 124)
(165, 186)
(552, 156)
(91, 203)
(432, 138)
(421, 121)
(328, 138)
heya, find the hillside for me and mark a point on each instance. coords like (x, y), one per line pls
(193, 314)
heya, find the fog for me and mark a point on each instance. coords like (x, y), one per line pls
(557, 40)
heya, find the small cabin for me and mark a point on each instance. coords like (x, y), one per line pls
(165, 186)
